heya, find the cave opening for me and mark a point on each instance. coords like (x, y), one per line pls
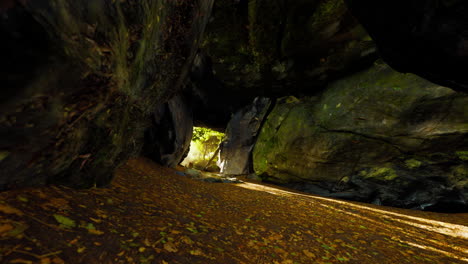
(204, 150)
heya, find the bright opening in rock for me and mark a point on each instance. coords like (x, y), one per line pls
(204, 150)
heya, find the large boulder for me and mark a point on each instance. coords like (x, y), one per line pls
(274, 48)
(236, 149)
(378, 136)
(425, 37)
(80, 80)
(167, 141)
(284, 43)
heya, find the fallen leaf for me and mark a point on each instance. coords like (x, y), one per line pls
(5, 228)
(46, 261)
(196, 252)
(96, 220)
(58, 260)
(95, 232)
(16, 229)
(65, 221)
(81, 249)
(186, 240)
(22, 199)
(59, 203)
(169, 246)
(4, 208)
(308, 253)
(90, 226)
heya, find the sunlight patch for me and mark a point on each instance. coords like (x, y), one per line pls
(204, 149)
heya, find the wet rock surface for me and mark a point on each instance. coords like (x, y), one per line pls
(378, 136)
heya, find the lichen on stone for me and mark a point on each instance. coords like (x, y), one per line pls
(413, 163)
(384, 173)
(459, 176)
(463, 155)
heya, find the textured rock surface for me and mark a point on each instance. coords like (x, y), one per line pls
(379, 135)
(167, 141)
(283, 43)
(80, 80)
(425, 37)
(241, 134)
(275, 48)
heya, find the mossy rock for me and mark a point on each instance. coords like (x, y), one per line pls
(381, 130)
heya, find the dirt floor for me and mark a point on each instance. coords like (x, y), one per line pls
(150, 214)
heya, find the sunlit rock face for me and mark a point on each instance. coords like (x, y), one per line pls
(425, 37)
(241, 134)
(80, 80)
(377, 136)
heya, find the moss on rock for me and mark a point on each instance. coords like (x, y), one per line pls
(463, 155)
(384, 173)
(413, 163)
(378, 124)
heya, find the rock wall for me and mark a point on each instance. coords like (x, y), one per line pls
(275, 44)
(80, 80)
(274, 48)
(167, 141)
(377, 136)
(241, 134)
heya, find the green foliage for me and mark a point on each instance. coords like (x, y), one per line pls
(204, 144)
(203, 134)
